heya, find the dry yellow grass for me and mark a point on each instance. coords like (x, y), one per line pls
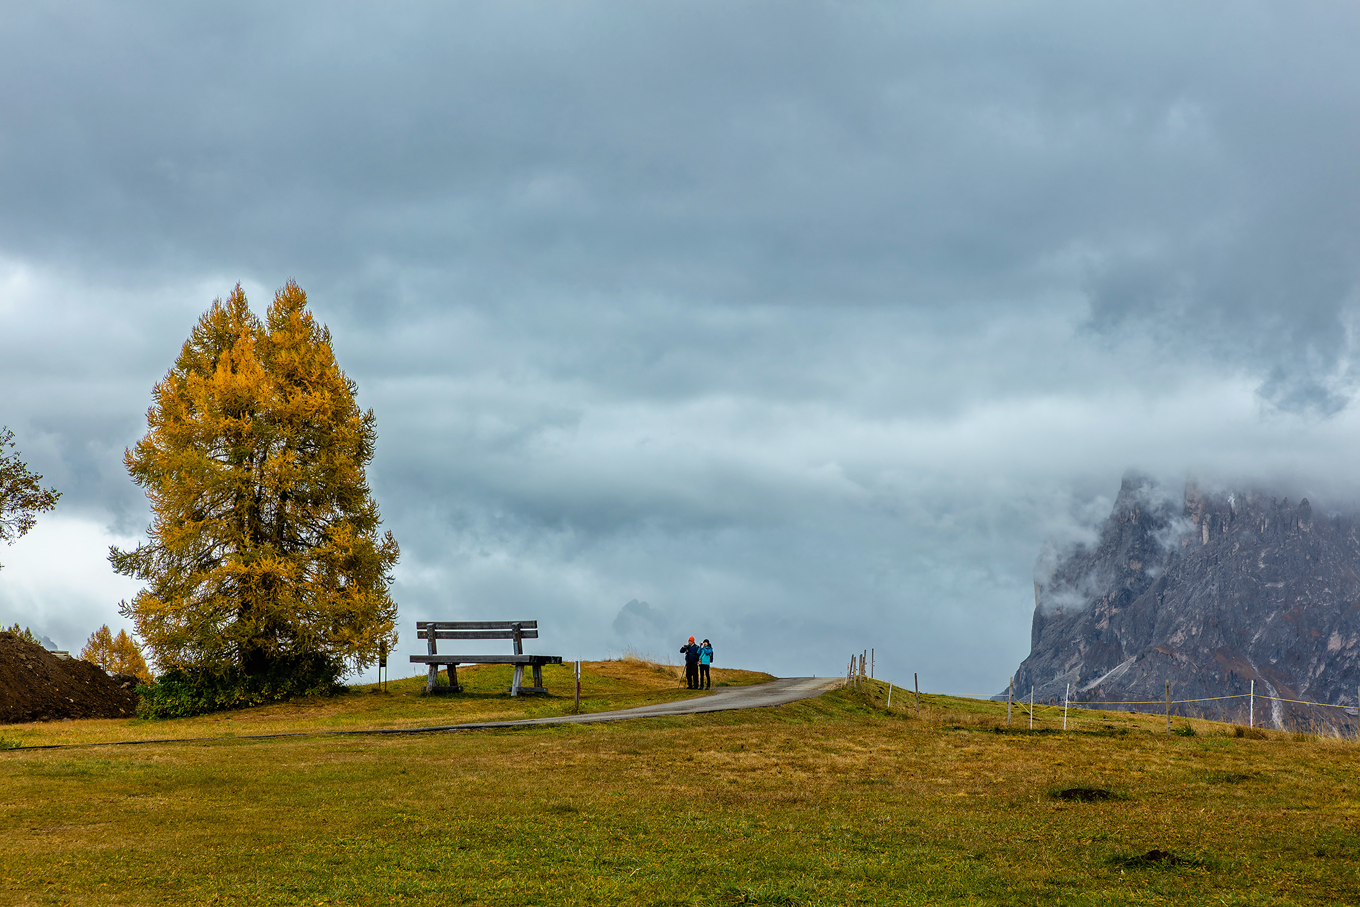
(605, 685)
(829, 801)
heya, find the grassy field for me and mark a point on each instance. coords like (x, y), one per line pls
(605, 686)
(830, 801)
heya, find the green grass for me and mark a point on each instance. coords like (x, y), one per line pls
(605, 686)
(830, 801)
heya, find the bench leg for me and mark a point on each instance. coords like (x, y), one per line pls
(538, 676)
(431, 678)
(453, 679)
(518, 681)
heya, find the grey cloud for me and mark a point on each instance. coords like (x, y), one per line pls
(808, 322)
(711, 153)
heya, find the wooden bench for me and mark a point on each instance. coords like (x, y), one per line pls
(517, 630)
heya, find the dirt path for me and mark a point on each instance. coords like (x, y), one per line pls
(761, 695)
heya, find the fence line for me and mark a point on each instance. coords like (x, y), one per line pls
(857, 674)
(1096, 702)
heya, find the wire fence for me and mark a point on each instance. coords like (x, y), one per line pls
(1317, 717)
(1097, 705)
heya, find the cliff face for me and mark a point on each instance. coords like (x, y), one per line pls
(1209, 593)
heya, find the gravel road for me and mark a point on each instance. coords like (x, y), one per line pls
(761, 695)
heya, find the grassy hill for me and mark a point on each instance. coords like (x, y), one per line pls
(605, 686)
(835, 800)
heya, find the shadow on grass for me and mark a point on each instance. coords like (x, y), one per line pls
(772, 893)
(1084, 793)
(1159, 859)
(1104, 731)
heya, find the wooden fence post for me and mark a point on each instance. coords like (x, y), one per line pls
(1010, 694)
(916, 682)
(1168, 706)
(1067, 698)
(1251, 707)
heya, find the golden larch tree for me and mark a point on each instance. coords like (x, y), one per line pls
(266, 571)
(116, 654)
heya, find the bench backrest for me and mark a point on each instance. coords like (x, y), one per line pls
(477, 629)
(476, 624)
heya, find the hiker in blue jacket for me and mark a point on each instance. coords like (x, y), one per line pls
(691, 651)
(705, 659)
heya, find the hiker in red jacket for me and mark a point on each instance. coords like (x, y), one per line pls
(691, 652)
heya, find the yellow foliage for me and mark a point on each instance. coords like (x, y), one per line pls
(21, 497)
(264, 547)
(116, 654)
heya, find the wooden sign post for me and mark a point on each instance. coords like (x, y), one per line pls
(382, 665)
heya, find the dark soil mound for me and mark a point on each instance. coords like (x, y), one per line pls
(36, 685)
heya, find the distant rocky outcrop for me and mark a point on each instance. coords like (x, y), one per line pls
(640, 628)
(1209, 591)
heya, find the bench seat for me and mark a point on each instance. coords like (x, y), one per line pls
(516, 630)
(486, 659)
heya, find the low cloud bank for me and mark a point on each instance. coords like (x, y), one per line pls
(811, 344)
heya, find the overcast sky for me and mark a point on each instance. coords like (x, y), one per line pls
(806, 323)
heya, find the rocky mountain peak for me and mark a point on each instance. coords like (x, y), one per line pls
(1207, 590)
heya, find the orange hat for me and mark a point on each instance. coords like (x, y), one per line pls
(691, 639)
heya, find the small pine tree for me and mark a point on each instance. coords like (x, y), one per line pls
(266, 572)
(25, 634)
(116, 654)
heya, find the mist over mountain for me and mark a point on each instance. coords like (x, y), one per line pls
(1207, 590)
(643, 629)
